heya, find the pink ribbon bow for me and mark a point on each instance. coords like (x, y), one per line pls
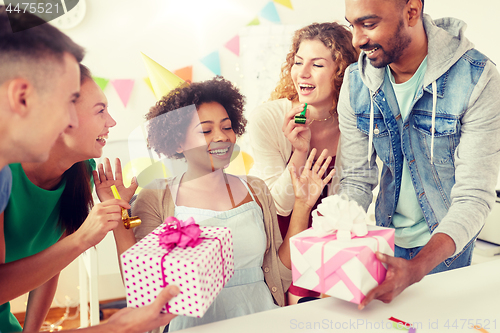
(180, 233)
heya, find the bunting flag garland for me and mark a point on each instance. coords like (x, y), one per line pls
(162, 80)
(286, 3)
(270, 13)
(101, 82)
(124, 89)
(234, 45)
(255, 21)
(212, 61)
(185, 73)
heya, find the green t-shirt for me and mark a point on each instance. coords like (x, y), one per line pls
(31, 224)
(408, 220)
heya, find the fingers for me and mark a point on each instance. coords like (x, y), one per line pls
(328, 178)
(292, 130)
(109, 213)
(106, 171)
(323, 169)
(319, 163)
(290, 115)
(293, 173)
(394, 281)
(384, 258)
(133, 185)
(109, 170)
(115, 202)
(298, 134)
(310, 159)
(165, 296)
(369, 297)
(322, 156)
(95, 177)
(118, 169)
(102, 174)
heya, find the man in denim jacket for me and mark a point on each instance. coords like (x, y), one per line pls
(424, 101)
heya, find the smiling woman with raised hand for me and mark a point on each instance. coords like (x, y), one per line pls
(312, 74)
(200, 123)
(51, 200)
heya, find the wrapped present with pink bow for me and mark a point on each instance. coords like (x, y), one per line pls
(199, 260)
(336, 256)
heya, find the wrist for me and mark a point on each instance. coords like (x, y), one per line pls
(302, 210)
(419, 270)
(78, 243)
(302, 151)
(302, 205)
(112, 328)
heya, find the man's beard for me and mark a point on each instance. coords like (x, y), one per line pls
(398, 43)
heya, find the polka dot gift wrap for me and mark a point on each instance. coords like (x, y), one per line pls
(200, 272)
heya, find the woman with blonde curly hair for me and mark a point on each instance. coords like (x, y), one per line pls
(312, 74)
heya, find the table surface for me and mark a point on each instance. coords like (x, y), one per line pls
(450, 301)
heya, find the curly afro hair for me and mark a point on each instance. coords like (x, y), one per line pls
(170, 116)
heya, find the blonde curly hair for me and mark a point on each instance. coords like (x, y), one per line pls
(337, 38)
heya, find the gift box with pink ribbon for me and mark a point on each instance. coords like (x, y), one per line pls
(336, 256)
(199, 260)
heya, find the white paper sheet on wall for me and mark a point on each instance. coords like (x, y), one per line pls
(263, 49)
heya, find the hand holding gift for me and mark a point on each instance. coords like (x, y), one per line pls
(198, 260)
(337, 255)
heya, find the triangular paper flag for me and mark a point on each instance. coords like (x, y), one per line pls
(234, 45)
(162, 80)
(124, 89)
(101, 82)
(185, 73)
(212, 61)
(255, 21)
(270, 13)
(286, 3)
(148, 82)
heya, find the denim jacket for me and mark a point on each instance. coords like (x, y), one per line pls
(450, 139)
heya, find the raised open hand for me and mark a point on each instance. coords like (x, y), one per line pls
(103, 179)
(309, 185)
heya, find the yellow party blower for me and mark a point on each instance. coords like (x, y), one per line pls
(128, 222)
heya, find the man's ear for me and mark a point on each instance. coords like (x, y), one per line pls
(414, 12)
(19, 91)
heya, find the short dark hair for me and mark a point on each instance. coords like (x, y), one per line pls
(31, 46)
(171, 115)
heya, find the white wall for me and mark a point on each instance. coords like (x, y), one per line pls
(178, 33)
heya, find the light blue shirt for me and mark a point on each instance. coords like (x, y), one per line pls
(5, 187)
(408, 220)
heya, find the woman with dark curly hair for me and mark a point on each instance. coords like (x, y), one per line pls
(200, 123)
(312, 74)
